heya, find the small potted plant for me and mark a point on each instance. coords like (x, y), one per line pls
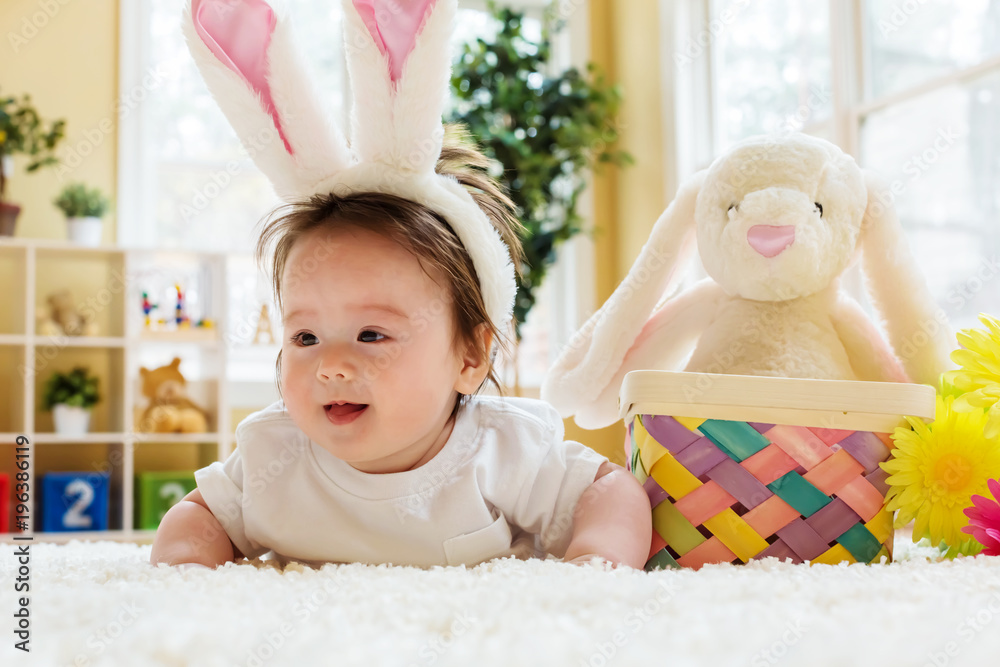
(69, 396)
(23, 132)
(84, 207)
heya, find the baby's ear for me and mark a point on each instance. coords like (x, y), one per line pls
(475, 361)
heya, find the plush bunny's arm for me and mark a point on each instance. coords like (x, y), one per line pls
(594, 355)
(917, 327)
(870, 357)
(662, 344)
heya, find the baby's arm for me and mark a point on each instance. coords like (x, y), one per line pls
(190, 533)
(612, 520)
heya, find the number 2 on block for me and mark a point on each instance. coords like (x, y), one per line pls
(75, 517)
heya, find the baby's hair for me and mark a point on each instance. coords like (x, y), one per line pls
(416, 228)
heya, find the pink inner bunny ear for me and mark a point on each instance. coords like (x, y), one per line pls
(238, 33)
(394, 25)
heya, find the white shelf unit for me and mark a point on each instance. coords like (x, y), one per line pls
(111, 280)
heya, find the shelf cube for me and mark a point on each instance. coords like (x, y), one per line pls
(157, 492)
(5, 491)
(75, 501)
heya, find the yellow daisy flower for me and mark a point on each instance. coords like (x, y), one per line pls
(935, 470)
(979, 375)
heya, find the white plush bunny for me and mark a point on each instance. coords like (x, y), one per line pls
(777, 220)
(398, 57)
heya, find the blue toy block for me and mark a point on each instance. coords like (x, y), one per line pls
(75, 501)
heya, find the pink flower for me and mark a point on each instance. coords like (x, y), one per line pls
(984, 520)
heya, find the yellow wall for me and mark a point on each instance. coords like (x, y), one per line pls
(624, 35)
(68, 63)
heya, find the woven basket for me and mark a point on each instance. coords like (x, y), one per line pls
(738, 467)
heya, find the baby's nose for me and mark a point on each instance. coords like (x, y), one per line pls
(338, 364)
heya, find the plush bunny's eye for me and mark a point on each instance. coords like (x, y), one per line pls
(819, 207)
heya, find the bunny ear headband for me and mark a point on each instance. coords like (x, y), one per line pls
(398, 57)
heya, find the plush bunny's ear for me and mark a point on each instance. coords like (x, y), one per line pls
(595, 353)
(246, 55)
(917, 328)
(399, 59)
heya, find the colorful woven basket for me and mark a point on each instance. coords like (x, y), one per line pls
(739, 468)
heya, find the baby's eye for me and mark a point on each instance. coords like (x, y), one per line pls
(305, 339)
(369, 336)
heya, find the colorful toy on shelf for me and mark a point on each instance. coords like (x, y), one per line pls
(776, 220)
(263, 327)
(61, 318)
(169, 410)
(5, 504)
(147, 308)
(75, 501)
(180, 321)
(156, 492)
(180, 317)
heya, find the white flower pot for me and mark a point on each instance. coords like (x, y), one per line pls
(85, 231)
(70, 420)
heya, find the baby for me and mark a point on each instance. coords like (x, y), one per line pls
(382, 449)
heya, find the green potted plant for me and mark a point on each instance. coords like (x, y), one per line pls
(23, 132)
(545, 129)
(69, 396)
(84, 207)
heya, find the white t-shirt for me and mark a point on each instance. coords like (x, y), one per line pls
(504, 483)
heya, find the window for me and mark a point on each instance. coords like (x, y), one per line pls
(912, 90)
(178, 185)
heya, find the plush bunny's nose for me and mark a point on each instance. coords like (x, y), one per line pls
(771, 240)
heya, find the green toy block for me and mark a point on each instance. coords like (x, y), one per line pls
(156, 492)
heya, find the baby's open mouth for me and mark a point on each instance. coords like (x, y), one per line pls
(341, 412)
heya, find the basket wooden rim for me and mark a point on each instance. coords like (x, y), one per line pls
(834, 404)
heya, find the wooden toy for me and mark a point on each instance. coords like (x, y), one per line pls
(74, 501)
(740, 468)
(5, 491)
(157, 492)
(263, 328)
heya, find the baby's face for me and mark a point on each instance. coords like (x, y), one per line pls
(369, 368)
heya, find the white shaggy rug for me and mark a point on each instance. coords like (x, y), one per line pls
(103, 604)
